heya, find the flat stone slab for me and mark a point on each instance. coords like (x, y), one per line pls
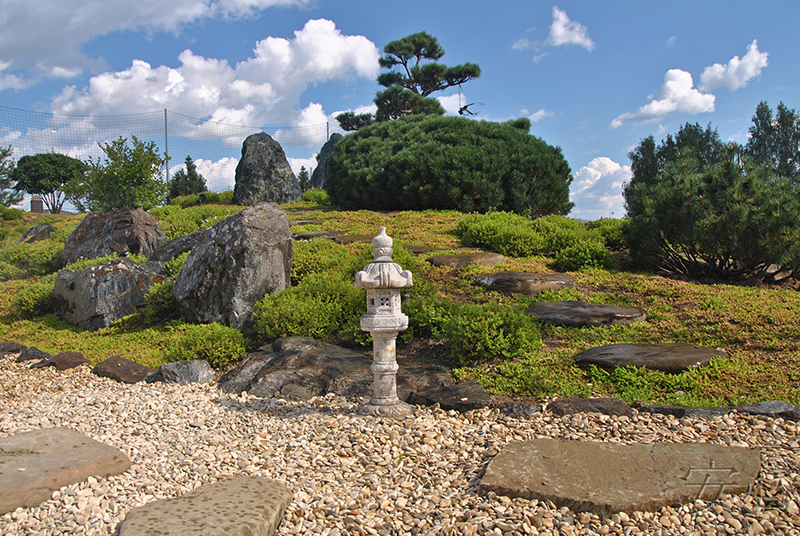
(525, 282)
(672, 357)
(123, 370)
(460, 260)
(464, 396)
(35, 464)
(238, 506)
(612, 477)
(581, 314)
(330, 235)
(606, 406)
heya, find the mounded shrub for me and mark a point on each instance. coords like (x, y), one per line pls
(612, 230)
(219, 345)
(480, 333)
(9, 214)
(161, 303)
(424, 162)
(585, 254)
(177, 221)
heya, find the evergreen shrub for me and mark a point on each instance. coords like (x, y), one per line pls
(161, 303)
(612, 230)
(584, 254)
(177, 221)
(10, 214)
(422, 162)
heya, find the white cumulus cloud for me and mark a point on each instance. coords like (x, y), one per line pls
(564, 31)
(46, 37)
(678, 94)
(265, 88)
(539, 115)
(597, 189)
(737, 72)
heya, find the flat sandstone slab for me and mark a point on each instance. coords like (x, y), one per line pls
(238, 506)
(669, 357)
(612, 477)
(581, 314)
(34, 464)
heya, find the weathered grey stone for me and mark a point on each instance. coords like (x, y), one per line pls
(238, 506)
(606, 406)
(353, 239)
(581, 314)
(123, 370)
(464, 396)
(460, 260)
(177, 246)
(524, 282)
(63, 361)
(41, 231)
(518, 410)
(300, 367)
(34, 464)
(98, 295)
(672, 358)
(195, 371)
(263, 174)
(237, 261)
(320, 173)
(295, 223)
(32, 353)
(11, 347)
(612, 477)
(130, 230)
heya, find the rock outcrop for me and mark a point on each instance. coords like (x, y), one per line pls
(36, 233)
(264, 174)
(234, 264)
(98, 295)
(122, 232)
(321, 171)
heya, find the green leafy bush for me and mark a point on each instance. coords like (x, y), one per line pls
(219, 345)
(516, 236)
(161, 303)
(427, 315)
(584, 254)
(8, 271)
(211, 198)
(320, 308)
(174, 266)
(431, 162)
(729, 220)
(9, 214)
(480, 333)
(317, 196)
(36, 258)
(612, 230)
(320, 255)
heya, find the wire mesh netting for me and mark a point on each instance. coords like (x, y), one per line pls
(214, 147)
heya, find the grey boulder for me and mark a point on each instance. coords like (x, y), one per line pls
(264, 174)
(126, 231)
(195, 371)
(235, 263)
(321, 171)
(98, 295)
(460, 260)
(525, 283)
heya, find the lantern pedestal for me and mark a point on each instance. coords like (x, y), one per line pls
(383, 280)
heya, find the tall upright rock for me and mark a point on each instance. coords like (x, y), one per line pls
(264, 174)
(233, 264)
(321, 171)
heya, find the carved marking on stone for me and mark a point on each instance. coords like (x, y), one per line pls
(707, 478)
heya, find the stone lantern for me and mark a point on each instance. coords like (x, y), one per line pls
(383, 280)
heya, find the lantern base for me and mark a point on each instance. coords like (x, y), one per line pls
(401, 409)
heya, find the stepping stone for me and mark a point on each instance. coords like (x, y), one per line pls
(464, 396)
(330, 235)
(673, 358)
(460, 260)
(123, 370)
(606, 406)
(352, 239)
(774, 409)
(524, 282)
(306, 222)
(35, 464)
(63, 361)
(611, 477)
(238, 506)
(581, 314)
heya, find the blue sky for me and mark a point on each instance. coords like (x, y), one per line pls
(594, 77)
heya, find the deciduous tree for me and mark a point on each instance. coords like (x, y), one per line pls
(775, 140)
(47, 174)
(8, 195)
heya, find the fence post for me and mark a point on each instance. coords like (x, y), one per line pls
(166, 144)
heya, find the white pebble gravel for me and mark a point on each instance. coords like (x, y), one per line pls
(352, 474)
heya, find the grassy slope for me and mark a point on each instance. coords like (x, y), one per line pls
(759, 328)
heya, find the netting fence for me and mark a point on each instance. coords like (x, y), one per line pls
(214, 147)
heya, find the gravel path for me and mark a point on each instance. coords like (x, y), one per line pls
(359, 475)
